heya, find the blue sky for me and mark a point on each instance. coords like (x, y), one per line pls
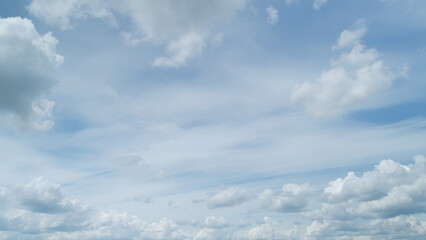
(227, 119)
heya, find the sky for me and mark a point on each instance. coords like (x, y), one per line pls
(205, 120)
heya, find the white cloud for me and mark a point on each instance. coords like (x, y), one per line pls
(216, 222)
(387, 229)
(187, 46)
(355, 76)
(40, 209)
(270, 230)
(229, 197)
(42, 196)
(391, 190)
(185, 30)
(212, 234)
(60, 13)
(372, 185)
(272, 15)
(318, 3)
(28, 61)
(290, 1)
(291, 198)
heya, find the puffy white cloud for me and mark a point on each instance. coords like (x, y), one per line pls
(272, 15)
(391, 190)
(229, 197)
(372, 185)
(39, 208)
(185, 30)
(28, 61)
(355, 76)
(42, 196)
(270, 230)
(291, 198)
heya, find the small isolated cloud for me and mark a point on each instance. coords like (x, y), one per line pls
(187, 46)
(290, 1)
(229, 197)
(355, 76)
(318, 3)
(28, 61)
(290, 198)
(272, 15)
(60, 13)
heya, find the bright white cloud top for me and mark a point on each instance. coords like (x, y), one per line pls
(354, 76)
(218, 120)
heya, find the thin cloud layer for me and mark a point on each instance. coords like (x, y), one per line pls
(28, 62)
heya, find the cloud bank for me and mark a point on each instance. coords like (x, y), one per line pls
(385, 203)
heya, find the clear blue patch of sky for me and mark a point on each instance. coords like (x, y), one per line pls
(13, 8)
(392, 114)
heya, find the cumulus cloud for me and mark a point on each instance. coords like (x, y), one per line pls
(390, 190)
(42, 196)
(39, 208)
(229, 197)
(355, 76)
(272, 15)
(291, 198)
(270, 230)
(185, 30)
(28, 61)
(385, 203)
